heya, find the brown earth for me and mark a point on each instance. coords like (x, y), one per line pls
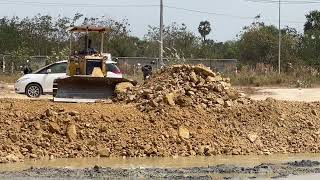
(183, 86)
(43, 129)
(182, 111)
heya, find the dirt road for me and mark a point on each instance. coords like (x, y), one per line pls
(305, 95)
(292, 94)
(7, 91)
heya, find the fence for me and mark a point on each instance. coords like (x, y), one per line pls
(9, 65)
(129, 65)
(132, 65)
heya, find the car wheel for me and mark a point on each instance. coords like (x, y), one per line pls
(33, 90)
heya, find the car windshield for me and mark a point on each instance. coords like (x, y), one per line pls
(59, 67)
(113, 68)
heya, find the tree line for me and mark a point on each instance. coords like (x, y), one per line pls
(256, 43)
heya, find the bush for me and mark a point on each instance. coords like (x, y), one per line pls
(266, 75)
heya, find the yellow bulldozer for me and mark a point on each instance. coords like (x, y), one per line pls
(87, 72)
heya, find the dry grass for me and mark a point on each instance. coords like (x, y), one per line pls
(265, 75)
(9, 78)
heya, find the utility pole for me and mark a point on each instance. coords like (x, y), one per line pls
(279, 51)
(161, 35)
(3, 64)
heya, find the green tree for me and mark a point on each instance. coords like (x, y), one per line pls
(204, 29)
(179, 42)
(310, 42)
(313, 21)
(259, 44)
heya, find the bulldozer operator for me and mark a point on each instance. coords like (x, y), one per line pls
(89, 50)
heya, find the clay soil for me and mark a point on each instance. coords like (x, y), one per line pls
(44, 129)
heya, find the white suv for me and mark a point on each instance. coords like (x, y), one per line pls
(41, 81)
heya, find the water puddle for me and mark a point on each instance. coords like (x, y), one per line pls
(179, 162)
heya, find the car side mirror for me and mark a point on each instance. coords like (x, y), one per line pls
(48, 71)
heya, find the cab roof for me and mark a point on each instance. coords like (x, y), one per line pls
(88, 29)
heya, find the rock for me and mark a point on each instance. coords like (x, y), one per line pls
(169, 99)
(33, 156)
(225, 85)
(187, 87)
(37, 125)
(14, 137)
(220, 101)
(243, 101)
(29, 147)
(314, 112)
(218, 88)
(132, 97)
(12, 158)
(176, 67)
(71, 132)
(184, 101)
(103, 128)
(153, 103)
(213, 79)
(201, 81)
(210, 79)
(190, 93)
(147, 92)
(228, 103)
(193, 77)
(122, 88)
(49, 113)
(51, 157)
(204, 70)
(54, 127)
(228, 80)
(73, 113)
(104, 152)
(208, 151)
(309, 123)
(233, 95)
(252, 137)
(184, 132)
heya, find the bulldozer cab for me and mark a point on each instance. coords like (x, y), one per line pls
(87, 60)
(87, 79)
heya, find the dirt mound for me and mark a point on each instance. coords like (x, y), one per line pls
(183, 85)
(182, 111)
(43, 129)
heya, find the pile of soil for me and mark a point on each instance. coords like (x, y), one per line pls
(43, 129)
(182, 111)
(184, 86)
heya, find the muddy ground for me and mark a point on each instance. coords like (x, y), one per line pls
(297, 169)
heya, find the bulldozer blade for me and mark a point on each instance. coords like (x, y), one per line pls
(84, 88)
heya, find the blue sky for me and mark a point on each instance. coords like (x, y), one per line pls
(236, 13)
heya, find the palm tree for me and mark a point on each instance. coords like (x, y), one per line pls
(204, 29)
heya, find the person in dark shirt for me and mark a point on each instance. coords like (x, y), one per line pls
(27, 69)
(147, 71)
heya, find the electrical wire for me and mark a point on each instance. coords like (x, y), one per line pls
(299, 2)
(37, 3)
(72, 4)
(220, 14)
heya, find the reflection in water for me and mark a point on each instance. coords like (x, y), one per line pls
(180, 162)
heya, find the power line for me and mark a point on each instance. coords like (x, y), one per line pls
(205, 12)
(37, 3)
(300, 2)
(32, 3)
(221, 14)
